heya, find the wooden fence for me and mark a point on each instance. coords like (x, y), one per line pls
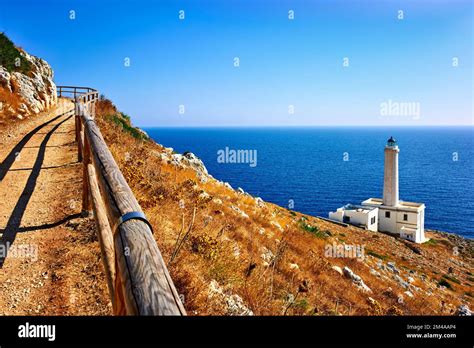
(137, 278)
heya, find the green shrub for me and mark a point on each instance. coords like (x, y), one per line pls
(314, 230)
(444, 282)
(309, 228)
(374, 254)
(124, 122)
(10, 57)
(431, 242)
(452, 279)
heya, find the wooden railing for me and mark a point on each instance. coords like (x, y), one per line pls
(137, 278)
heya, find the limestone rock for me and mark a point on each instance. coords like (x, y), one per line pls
(259, 202)
(188, 159)
(277, 225)
(240, 212)
(357, 280)
(294, 266)
(267, 255)
(464, 310)
(233, 304)
(195, 162)
(35, 91)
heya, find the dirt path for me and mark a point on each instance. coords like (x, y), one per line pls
(53, 264)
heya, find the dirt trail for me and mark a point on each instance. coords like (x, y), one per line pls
(53, 264)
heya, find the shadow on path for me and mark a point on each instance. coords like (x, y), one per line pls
(49, 167)
(47, 225)
(13, 224)
(10, 159)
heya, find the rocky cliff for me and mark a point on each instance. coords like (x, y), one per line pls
(26, 82)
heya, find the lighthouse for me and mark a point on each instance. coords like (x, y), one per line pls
(387, 214)
(390, 179)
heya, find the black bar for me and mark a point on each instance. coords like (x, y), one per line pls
(380, 331)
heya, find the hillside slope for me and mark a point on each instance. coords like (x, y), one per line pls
(231, 253)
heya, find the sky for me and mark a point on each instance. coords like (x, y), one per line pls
(334, 63)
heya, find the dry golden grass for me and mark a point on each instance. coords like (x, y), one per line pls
(226, 247)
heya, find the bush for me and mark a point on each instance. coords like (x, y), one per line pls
(309, 228)
(445, 283)
(314, 230)
(451, 279)
(10, 57)
(374, 254)
(431, 242)
(124, 122)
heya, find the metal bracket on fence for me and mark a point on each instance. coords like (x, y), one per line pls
(138, 215)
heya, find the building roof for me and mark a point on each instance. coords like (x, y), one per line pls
(402, 205)
(360, 208)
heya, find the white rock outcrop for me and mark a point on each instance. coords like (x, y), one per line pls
(36, 91)
(464, 310)
(239, 211)
(189, 159)
(233, 304)
(357, 280)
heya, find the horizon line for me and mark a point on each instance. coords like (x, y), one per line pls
(310, 126)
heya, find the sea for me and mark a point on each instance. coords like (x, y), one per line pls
(315, 170)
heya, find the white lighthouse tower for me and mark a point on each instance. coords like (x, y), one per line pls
(390, 179)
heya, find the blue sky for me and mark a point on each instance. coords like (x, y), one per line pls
(283, 62)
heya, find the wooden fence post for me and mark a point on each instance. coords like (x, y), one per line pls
(78, 131)
(105, 234)
(86, 202)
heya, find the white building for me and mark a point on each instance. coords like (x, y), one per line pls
(406, 219)
(362, 216)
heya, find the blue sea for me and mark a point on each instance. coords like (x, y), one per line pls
(319, 169)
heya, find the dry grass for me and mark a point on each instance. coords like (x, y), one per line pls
(8, 100)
